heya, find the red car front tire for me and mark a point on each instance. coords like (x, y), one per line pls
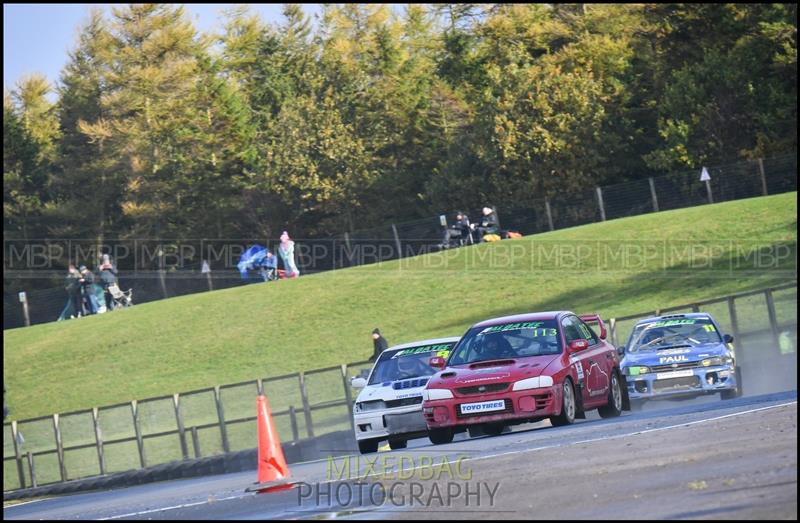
(441, 436)
(567, 415)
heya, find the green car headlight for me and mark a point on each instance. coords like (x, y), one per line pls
(708, 362)
(637, 370)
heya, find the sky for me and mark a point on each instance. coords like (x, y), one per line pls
(37, 37)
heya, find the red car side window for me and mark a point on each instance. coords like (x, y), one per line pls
(571, 331)
(587, 331)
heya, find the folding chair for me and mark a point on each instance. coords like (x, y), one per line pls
(121, 299)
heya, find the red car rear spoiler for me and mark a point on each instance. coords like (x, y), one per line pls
(599, 320)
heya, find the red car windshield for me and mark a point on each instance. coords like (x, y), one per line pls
(509, 340)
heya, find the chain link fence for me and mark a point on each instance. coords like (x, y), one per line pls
(154, 274)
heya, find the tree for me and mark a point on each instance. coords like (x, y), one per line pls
(734, 99)
(149, 115)
(30, 132)
(88, 184)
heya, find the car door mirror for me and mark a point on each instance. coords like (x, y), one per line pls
(727, 338)
(437, 362)
(358, 383)
(621, 350)
(578, 345)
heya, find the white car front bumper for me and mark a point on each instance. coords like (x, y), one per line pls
(390, 422)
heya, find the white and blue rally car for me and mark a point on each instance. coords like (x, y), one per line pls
(390, 406)
(679, 356)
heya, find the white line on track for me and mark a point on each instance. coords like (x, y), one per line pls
(535, 449)
(636, 433)
(174, 507)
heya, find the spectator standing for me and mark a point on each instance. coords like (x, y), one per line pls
(108, 276)
(286, 251)
(87, 285)
(379, 344)
(73, 288)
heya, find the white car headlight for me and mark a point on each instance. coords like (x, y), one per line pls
(436, 394)
(366, 406)
(533, 383)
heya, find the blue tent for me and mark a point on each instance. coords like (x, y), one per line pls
(255, 258)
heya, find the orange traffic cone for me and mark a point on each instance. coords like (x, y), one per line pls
(273, 473)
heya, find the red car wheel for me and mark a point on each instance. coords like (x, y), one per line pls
(567, 416)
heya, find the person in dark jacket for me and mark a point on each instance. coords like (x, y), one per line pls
(460, 229)
(108, 276)
(73, 288)
(379, 344)
(87, 285)
(488, 223)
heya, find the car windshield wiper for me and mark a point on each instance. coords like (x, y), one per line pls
(672, 346)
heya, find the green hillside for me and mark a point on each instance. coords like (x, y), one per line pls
(615, 268)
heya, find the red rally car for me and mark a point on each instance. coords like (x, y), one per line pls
(524, 368)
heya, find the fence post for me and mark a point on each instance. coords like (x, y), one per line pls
(306, 408)
(612, 327)
(18, 454)
(496, 217)
(196, 443)
(549, 214)
(32, 471)
(763, 176)
(348, 396)
(23, 297)
(59, 448)
(221, 417)
(349, 249)
(773, 319)
(653, 194)
(734, 319)
(397, 241)
(708, 190)
(695, 307)
(179, 422)
(98, 438)
(600, 203)
(161, 272)
(205, 268)
(293, 421)
(138, 431)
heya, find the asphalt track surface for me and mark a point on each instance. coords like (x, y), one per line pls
(703, 459)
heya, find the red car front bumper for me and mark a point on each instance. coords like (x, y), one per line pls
(520, 406)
